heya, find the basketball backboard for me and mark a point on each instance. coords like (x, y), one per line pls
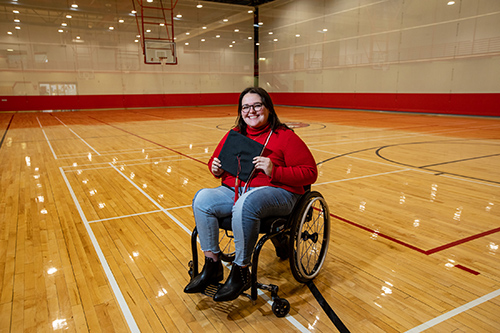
(160, 52)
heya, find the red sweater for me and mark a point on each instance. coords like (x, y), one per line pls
(293, 163)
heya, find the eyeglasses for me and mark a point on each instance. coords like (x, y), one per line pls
(256, 107)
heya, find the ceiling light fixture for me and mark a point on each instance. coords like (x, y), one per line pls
(451, 3)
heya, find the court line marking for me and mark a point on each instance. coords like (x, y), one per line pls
(122, 303)
(181, 223)
(454, 312)
(400, 166)
(469, 180)
(137, 214)
(79, 137)
(148, 140)
(46, 139)
(129, 318)
(361, 177)
(400, 136)
(6, 130)
(142, 161)
(289, 317)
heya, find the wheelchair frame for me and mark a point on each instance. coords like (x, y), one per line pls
(294, 237)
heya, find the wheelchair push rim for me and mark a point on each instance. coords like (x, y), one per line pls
(310, 237)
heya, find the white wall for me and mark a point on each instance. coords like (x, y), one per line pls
(381, 46)
(417, 46)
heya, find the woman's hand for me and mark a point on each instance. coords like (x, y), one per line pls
(216, 167)
(264, 164)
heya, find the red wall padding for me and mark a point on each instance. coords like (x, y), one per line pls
(460, 104)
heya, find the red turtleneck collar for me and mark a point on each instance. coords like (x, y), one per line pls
(258, 131)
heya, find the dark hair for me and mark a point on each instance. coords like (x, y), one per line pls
(268, 103)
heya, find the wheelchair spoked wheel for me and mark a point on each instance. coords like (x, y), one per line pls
(226, 244)
(310, 236)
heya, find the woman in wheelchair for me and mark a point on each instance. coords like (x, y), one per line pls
(278, 178)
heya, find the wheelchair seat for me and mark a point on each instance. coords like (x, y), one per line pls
(302, 237)
(271, 224)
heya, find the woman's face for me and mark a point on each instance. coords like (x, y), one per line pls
(254, 118)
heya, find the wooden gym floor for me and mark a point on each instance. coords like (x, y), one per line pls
(96, 220)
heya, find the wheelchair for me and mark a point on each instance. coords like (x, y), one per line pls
(301, 237)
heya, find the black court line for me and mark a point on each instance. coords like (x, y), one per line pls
(438, 172)
(148, 140)
(327, 308)
(6, 130)
(424, 167)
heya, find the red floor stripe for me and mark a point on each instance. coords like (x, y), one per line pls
(426, 252)
(153, 142)
(467, 269)
(392, 239)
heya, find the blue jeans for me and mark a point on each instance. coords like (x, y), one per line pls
(256, 203)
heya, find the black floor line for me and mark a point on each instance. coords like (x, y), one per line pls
(5, 133)
(327, 308)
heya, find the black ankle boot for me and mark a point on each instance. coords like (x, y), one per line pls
(212, 272)
(238, 281)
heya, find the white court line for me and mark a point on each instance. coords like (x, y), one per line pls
(414, 169)
(78, 136)
(129, 318)
(47, 139)
(127, 163)
(151, 199)
(470, 180)
(454, 312)
(361, 177)
(138, 214)
(290, 318)
(394, 136)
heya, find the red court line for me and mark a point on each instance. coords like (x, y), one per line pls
(151, 141)
(426, 252)
(467, 269)
(392, 239)
(461, 241)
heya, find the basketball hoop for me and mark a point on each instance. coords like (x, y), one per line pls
(165, 61)
(156, 19)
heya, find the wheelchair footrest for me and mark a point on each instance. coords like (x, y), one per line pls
(211, 290)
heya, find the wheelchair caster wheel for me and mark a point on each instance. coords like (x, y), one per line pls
(281, 307)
